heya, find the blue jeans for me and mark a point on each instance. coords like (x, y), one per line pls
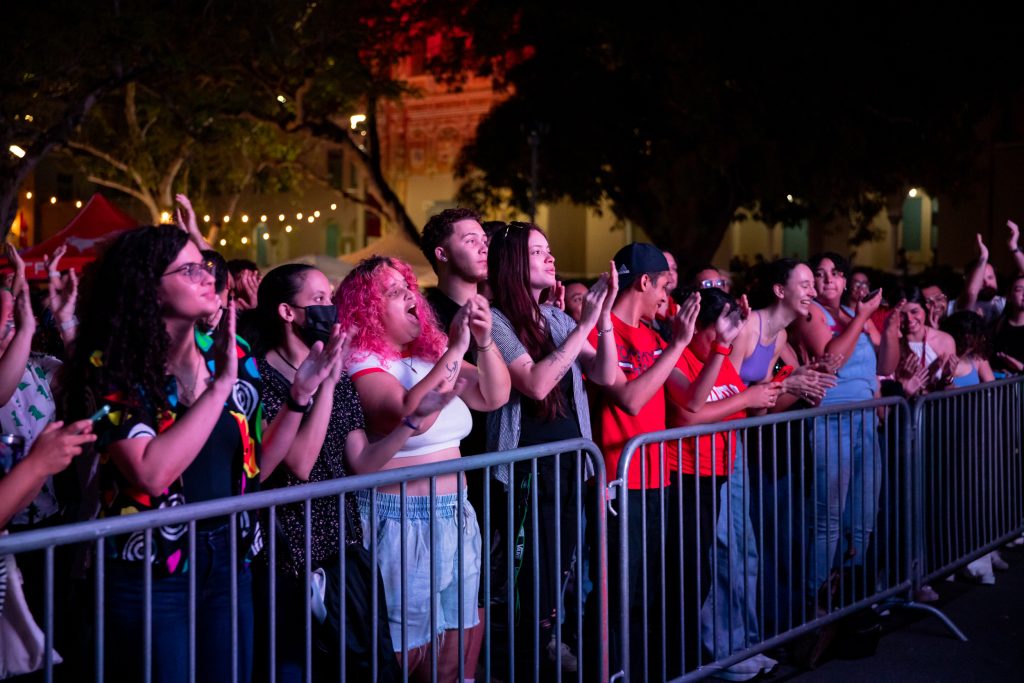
(170, 664)
(847, 481)
(729, 615)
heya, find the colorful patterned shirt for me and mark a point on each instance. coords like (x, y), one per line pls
(129, 420)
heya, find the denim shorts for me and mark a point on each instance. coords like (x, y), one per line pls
(389, 535)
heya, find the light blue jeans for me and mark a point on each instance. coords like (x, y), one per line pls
(728, 619)
(847, 481)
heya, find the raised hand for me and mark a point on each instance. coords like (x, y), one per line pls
(1013, 241)
(982, 249)
(185, 217)
(613, 291)
(866, 308)
(458, 332)
(594, 304)
(1010, 362)
(744, 307)
(19, 282)
(434, 400)
(830, 363)
(480, 320)
(225, 348)
(24, 319)
(247, 286)
(319, 364)
(556, 295)
(685, 321)
(892, 323)
(728, 326)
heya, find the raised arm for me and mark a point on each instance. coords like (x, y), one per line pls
(185, 217)
(488, 384)
(12, 364)
(1013, 242)
(969, 299)
(153, 463)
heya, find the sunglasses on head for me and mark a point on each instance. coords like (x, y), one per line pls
(708, 284)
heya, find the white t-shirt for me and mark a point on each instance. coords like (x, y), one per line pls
(451, 426)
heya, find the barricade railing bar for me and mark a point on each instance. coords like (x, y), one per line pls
(569, 461)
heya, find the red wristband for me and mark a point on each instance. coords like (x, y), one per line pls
(724, 349)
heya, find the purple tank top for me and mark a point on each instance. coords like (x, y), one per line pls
(755, 366)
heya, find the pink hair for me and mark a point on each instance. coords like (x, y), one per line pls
(360, 302)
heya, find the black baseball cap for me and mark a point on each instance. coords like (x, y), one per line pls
(635, 259)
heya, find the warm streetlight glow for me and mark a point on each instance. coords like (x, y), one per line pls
(266, 235)
(245, 218)
(28, 195)
(311, 219)
(53, 200)
(245, 240)
(287, 228)
(164, 217)
(280, 217)
(317, 214)
(263, 218)
(78, 204)
(298, 216)
(334, 207)
(789, 198)
(223, 242)
(29, 118)
(913, 192)
(227, 219)
(282, 99)
(206, 218)
(17, 151)
(356, 119)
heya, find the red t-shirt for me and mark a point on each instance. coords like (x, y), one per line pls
(637, 349)
(723, 448)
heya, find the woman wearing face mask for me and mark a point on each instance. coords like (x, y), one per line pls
(294, 315)
(397, 355)
(846, 453)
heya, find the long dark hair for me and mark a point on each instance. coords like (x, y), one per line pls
(508, 273)
(121, 319)
(261, 326)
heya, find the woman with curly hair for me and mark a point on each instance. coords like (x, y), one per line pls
(184, 425)
(398, 355)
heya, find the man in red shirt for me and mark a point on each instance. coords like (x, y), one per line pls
(635, 404)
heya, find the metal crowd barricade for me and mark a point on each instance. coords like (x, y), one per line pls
(591, 652)
(823, 519)
(970, 456)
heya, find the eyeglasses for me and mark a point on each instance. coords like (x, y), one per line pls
(194, 271)
(859, 284)
(708, 284)
(937, 300)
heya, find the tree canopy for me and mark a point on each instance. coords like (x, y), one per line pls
(679, 120)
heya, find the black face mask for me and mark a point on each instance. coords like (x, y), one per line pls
(319, 320)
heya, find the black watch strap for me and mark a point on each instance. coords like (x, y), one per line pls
(296, 407)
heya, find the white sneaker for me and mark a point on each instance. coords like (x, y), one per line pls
(980, 571)
(748, 669)
(564, 657)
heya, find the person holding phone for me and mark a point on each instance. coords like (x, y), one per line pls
(847, 461)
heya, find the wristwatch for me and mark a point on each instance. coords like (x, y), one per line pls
(296, 407)
(724, 349)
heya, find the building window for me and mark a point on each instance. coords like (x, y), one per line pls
(335, 167)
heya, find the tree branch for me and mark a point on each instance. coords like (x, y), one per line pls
(99, 154)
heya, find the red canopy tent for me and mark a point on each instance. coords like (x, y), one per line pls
(97, 222)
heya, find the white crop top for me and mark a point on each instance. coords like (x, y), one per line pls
(450, 427)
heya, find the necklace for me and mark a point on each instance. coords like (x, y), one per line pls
(190, 389)
(281, 356)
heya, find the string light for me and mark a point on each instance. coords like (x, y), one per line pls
(206, 218)
(266, 235)
(280, 217)
(245, 240)
(282, 99)
(263, 218)
(317, 214)
(28, 195)
(356, 119)
(223, 242)
(298, 216)
(245, 218)
(334, 207)
(227, 219)
(287, 228)
(311, 219)
(78, 204)
(53, 200)
(165, 216)
(913, 192)
(17, 151)
(789, 198)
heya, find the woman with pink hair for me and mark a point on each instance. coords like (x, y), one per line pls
(398, 354)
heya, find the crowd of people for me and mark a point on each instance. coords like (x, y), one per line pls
(187, 378)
